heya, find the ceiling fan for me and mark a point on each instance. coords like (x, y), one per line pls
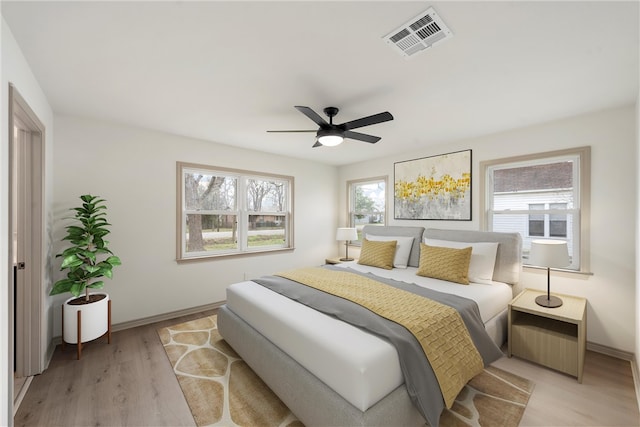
(330, 134)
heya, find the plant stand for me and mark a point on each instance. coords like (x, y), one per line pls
(79, 330)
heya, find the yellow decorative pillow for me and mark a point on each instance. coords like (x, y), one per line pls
(378, 253)
(445, 263)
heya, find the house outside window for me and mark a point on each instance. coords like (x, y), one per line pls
(536, 221)
(542, 225)
(558, 222)
(544, 196)
(229, 212)
(367, 202)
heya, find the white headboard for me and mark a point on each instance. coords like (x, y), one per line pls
(508, 259)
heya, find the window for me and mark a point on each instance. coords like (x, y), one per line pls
(228, 212)
(536, 221)
(558, 222)
(543, 225)
(367, 202)
(544, 196)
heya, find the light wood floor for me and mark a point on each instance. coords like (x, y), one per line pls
(130, 383)
(606, 396)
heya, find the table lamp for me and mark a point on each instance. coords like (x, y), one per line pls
(549, 253)
(347, 234)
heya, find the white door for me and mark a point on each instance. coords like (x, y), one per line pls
(27, 225)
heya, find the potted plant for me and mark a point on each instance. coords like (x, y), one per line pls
(87, 260)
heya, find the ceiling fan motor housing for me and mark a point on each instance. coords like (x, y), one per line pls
(331, 113)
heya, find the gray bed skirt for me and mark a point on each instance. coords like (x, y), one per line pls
(312, 401)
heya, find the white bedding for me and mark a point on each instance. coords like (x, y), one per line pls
(359, 366)
(491, 297)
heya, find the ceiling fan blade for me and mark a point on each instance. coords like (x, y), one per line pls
(317, 144)
(313, 116)
(367, 121)
(362, 137)
(290, 131)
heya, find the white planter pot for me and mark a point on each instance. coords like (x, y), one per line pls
(94, 321)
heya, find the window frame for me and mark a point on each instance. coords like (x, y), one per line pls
(351, 200)
(581, 210)
(241, 212)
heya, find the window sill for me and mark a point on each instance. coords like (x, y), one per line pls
(561, 270)
(231, 255)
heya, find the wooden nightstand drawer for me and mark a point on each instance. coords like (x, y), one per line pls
(553, 337)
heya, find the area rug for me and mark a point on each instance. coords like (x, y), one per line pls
(221, 389)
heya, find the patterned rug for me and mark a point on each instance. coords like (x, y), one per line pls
(222, 390)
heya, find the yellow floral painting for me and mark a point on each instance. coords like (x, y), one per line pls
(437, 187)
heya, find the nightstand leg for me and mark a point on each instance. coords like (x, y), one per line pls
(582, 343)
(509, 339)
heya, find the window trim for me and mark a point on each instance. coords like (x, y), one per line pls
(350, 183)
(584, 193)
(242, 214)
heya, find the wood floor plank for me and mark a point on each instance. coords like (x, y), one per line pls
(130, 382)
(606, 396)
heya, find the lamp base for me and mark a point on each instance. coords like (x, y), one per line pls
(346, 259)
(551, 302)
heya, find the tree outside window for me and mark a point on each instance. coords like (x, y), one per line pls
(226, 212)
(367, 202)
(205, 195)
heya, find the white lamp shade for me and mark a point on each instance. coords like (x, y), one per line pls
(346, 233)
(330, 140)
(549, 253)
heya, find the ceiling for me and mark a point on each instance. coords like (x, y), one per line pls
(229, 71)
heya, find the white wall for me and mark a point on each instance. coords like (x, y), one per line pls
(611, 134)
(135, 171)
(637, 234)
(15, 69)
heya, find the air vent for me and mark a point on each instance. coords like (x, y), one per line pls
(419, 34)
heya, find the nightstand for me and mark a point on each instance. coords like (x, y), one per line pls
(553, 337)
(335, 260)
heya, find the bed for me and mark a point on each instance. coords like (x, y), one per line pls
(329, 372)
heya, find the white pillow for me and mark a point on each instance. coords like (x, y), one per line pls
(483, 257)
(403, 248)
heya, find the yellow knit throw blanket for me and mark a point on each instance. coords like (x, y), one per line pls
(438, 328)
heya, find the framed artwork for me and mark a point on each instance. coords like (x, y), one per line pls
(437, 187)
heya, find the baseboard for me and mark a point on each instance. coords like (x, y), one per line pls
(603, 349)
(50, 350)
(636, 379)
(157, 318)
(17, 400)
(166, 316)
(630, 357)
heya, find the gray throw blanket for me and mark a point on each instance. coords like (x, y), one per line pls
(420, 379)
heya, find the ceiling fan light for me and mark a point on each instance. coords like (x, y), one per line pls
(330, 138)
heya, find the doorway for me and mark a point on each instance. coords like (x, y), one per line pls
(26, 249)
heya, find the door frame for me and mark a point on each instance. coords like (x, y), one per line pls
(29, 301)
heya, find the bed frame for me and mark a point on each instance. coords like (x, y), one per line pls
(312, 401)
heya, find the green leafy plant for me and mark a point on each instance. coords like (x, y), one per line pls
(89, 257)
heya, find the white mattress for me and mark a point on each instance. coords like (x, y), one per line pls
(359, 366)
